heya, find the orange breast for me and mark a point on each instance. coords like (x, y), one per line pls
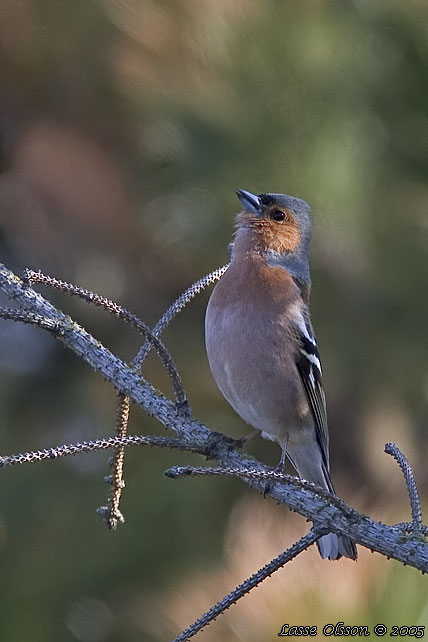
(267, 234)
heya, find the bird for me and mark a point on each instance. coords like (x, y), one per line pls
(261, 345)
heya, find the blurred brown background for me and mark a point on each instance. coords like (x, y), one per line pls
(125, 127)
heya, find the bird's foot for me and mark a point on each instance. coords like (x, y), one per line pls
(280, 468)
(217, 439)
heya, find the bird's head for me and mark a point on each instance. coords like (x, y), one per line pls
(280, 224)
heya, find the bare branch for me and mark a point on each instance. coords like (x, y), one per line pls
(250, 583)
(392, 449)
(175, 472)
(124, 378)
(13, 314)
(411, 549)
(111, 513)
(31, 277)
(67, 450)
(408, 527)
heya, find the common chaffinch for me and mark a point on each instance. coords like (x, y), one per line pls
(260, 341)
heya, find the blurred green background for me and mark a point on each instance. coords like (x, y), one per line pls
(125, 128)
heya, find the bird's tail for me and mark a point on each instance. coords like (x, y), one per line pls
(309, 465)
(333, 547)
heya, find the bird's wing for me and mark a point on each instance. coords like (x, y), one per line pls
(309, 367)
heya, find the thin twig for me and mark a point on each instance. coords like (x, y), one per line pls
(253, 581)
(255, 474)
(113, 516)
(45, 323)
(392, 449)
(31, 277)
(67, 450)
(408, 527)
(176, 307)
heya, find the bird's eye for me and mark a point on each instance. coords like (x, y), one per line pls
(278, 215)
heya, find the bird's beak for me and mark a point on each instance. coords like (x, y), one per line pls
(251, 202)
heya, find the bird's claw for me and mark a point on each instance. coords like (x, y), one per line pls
(217, 439)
